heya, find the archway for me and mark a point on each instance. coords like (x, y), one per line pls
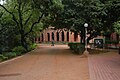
(52, 36)
(75, 36)
(62, 36)
(39, 39)
(57, 35)
(67, 36)
(48, 36)
(42, 37)
(35, 39)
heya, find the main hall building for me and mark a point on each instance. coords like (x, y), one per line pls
(61, 35)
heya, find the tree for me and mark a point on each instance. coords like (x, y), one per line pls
(112, 10)
(8, 33)
(99, 14)
(117, 27)
(26, 14)
(78, 12)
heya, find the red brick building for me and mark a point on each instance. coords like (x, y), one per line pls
(61, 35)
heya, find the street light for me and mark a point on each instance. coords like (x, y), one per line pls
(86, 51)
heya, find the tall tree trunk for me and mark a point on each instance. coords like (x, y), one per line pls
(24, 42)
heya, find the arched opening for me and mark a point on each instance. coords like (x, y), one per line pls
(35, 39)
(42, 37)
(39, 39)
(62, 36)
(48, 36)
(67, 36)
(52, 36)
(75, 36)
(57, 34)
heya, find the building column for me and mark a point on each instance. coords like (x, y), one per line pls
(65, 36)
(60, 36)
(55, 36)
(71, 37)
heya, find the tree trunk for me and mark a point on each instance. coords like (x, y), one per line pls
(23, 42)
(82, 39)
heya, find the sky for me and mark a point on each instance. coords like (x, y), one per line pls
(1, 2)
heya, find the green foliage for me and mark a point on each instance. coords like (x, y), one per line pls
(99, 14)
(78, 12)
(27, 14)
(8, 32)
(32, 46)
(19, 49)
(111, 42)
(23, 19)
(9, 55)
(77, 47)
(117, 27)
(2, 57)
(112, 9)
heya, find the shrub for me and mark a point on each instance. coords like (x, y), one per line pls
(77, 47)
(2, 57)
(9, 54)
(32, 46)
(18, 50)
(70, 45)
(111, 42)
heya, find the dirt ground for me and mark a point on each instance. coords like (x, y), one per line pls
(46, 63)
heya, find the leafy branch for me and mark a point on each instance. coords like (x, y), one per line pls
(33, 24)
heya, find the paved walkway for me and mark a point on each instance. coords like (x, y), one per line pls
(46, 63)
(58, 63)
(105, 66)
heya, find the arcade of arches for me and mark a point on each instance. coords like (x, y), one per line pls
(62, 35)
(49, 35)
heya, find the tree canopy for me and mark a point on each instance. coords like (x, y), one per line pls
(117, 27)
(99, 14)
(26, 17)
(29, 15)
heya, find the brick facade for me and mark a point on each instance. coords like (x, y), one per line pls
(62, 35)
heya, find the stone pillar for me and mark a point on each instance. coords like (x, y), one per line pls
(79, 38)
(44, 36)
(71, 37)
(60, 36)
(65, 36)
(55, 36)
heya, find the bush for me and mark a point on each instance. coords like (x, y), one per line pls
(70, 45)
(18, 50)
(77, 47)
(2, 57)
(9, 55)
(32, 46)
(111, 42)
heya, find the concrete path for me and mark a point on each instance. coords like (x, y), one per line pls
(46, 63)
(105, 66)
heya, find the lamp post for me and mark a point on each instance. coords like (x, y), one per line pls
(86, 51)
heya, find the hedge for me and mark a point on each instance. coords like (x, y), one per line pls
(111, 42)
(78, 48)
